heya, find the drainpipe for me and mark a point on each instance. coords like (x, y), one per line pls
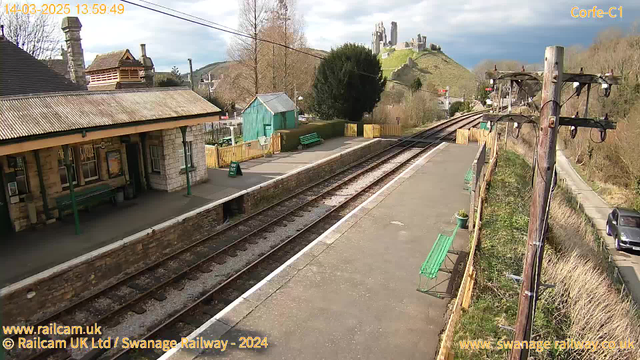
(43, 189)
(145, 163)
(74, 206)
(183, 129)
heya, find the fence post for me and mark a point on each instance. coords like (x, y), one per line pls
(216, 159)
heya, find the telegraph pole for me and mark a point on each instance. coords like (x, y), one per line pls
(543, 175)
(191, 74)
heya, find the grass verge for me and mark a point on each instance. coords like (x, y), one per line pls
(584, 305)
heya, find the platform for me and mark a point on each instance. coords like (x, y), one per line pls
(352, 292)
(31, 251)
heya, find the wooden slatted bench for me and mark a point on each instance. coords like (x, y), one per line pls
(310, 139)
(85, 198)
(434, 261)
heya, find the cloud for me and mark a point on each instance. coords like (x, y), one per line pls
(468, 31)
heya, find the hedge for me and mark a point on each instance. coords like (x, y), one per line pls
(325, 129)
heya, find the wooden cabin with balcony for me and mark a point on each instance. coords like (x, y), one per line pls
(119, 70)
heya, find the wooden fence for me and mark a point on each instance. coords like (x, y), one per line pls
(463, 300)
(391, 130)
(219, 157)
(216, 132)
(351, 130)
(376, 130)
(465, 136)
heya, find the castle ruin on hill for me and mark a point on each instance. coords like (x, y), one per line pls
(379, 40)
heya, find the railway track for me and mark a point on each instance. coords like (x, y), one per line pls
(177, 294)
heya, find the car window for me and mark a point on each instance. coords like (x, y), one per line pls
(630, 221)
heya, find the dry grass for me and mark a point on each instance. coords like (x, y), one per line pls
(587, 296)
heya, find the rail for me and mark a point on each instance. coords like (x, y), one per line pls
(441, 129)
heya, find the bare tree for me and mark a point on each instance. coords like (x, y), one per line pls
(37, 34)
(245, 51)
(289, 70)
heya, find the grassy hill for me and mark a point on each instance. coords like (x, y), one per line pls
(217, 68)
(222, 67)
(435, 69)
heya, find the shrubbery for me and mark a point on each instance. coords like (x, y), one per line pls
(325, 129)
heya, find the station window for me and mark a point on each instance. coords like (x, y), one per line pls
(21, 176)
(156, 155)
(89, 162)
(18, 185)
(189, 156)
(62, 170)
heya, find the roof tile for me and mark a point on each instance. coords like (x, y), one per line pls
(24, 116)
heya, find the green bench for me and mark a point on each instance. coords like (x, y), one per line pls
(433, 264)
(310, 139)
(468, 177)
(85, 198)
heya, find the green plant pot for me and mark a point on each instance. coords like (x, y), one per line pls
(462, 221)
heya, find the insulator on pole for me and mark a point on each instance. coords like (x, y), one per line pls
(573, 132)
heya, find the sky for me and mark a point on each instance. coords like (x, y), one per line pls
(469, 31)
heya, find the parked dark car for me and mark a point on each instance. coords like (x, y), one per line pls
(624, 226)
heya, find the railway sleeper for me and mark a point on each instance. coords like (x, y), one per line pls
(205, 269)
(159, 296)
(210, 310)
(191, 321)
(115, 297)
(137, 287)
(138, 309)
(220, 259)
(242, 247)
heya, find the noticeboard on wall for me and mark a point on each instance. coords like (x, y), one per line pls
(114, 163)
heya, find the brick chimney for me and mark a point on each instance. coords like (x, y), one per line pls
(149, 71)
(71, 27)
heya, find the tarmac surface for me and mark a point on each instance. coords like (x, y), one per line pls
(29, 252)
(352, 292)
(628, 261)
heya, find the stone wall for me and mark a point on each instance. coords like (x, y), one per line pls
(172, 144)
(282, 187)
(62, 285)
(65, 284)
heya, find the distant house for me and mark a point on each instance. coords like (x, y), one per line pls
(267, 113)
(121, 70)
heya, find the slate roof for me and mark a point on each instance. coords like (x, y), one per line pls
(21, 73)
(113, 60)
(38, 114)
(61, 66)
(275, 102)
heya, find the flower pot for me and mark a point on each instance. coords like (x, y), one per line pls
(462, 221)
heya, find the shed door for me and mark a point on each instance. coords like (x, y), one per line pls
(267, 130)
(5, 220)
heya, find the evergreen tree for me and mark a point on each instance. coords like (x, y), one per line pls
(416, 85)
(348, 83)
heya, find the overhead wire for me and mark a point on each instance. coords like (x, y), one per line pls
(220, 27)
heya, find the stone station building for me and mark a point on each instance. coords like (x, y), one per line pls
(63, 147)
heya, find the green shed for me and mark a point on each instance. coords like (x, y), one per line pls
(267, 113)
